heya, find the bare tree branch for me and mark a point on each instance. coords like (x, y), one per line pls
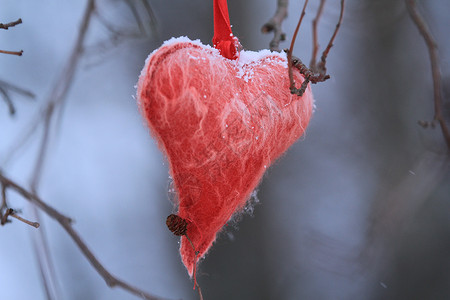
(151, 14)
(56, 99)
(60, 90)
(436, 74)
(135, 13)
(315, 22)
(143, 16)
(274, 24)
(8, 86)
(11, 24)
(318, 71)
(18, 53)
(11, 212)
(323, 60)
(6, 27)
(9, 102)
(289, 58)
(3, 204)
(5, 87)
(66, 223)
(45, 262)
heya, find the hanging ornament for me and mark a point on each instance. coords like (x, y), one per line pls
(221, 117)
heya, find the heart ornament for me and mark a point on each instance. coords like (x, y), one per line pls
(221, 123)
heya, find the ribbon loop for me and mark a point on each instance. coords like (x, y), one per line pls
(223, 39)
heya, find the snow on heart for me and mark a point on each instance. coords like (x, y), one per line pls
(221, 123)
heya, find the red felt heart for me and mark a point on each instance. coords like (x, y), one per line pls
(221, 123)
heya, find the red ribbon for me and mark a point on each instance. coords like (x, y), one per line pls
(223, 39)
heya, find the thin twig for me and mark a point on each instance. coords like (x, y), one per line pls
(56, 99)
(6, 27)
(4, 87)
(43, 147)
(110, 26)
(3, 204)
(66, 223)
(8, 183)
(9, 102)
(151, 14)
(291, 49)
(60, 90)
(18, 53)
(274, 24)
(135, 13)
(323, 60)
(4, 217)
(19, 143)
(436, 74)
(8, 86)
(318, 71)
(44, 258)
(11, 24)
(117, 35)
(312, 64)
(200, 295)
(13, 214)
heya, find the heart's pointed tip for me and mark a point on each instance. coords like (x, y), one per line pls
(188, 256)
(189, 268)
(194, 248)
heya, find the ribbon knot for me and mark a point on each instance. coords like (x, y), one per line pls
(223, 39)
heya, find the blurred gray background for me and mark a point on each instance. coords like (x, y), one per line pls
(358, 209)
